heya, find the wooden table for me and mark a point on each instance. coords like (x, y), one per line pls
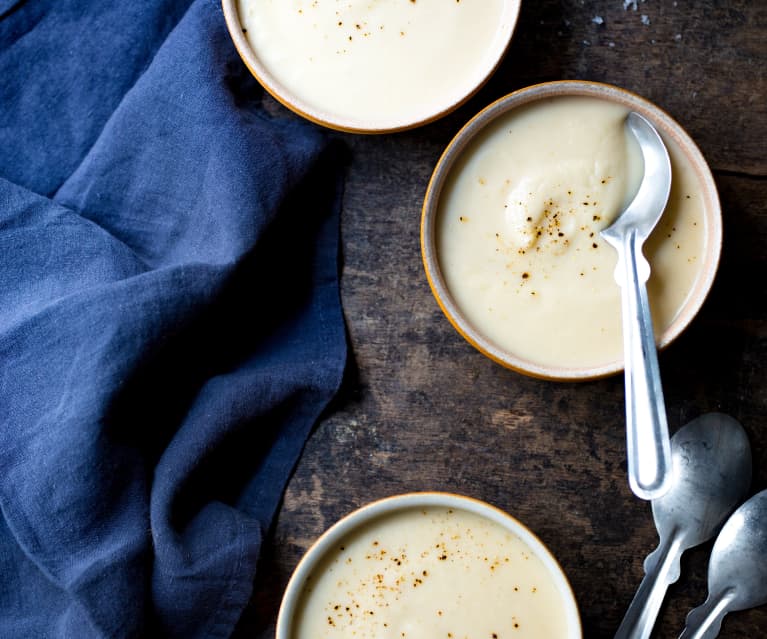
(422, 410)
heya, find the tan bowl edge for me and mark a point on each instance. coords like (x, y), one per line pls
(662, 121)
(234, 26)
(386, 505)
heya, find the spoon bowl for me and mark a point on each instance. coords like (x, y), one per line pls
(711, 461)
(645, 210)
(737, 571)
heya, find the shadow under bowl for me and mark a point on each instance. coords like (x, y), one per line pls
(321, 554)
(416, 107)
(451, 159)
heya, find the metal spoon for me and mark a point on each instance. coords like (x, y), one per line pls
(711, 460)
(737, 571)
(649, 456)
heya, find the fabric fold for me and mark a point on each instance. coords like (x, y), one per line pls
(170, 322)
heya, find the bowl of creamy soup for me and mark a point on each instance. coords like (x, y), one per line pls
(371, 67)
(510, 229)
(425, 565)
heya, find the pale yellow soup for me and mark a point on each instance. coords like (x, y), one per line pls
(518, 232)
(432, 572)
(376, 59)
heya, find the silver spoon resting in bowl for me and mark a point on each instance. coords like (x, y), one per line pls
(737, 570)
(647, 440)
(711, 460)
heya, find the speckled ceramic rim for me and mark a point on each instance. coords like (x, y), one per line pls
(362, 125)
(328, 542)
(665, 124)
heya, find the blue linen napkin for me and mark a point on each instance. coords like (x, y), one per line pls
(170, 325)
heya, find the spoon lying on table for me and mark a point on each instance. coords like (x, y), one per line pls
(647, 439)
(737, 570)
(711, 460)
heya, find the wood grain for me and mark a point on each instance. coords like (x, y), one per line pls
(422, 410)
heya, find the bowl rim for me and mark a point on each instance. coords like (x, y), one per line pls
(387, 505)
(569, 88)
(350, 125)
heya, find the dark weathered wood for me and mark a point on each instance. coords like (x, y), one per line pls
(422, 410)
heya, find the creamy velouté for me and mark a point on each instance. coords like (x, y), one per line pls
(518, 232)
(377, 60)
(421, 573)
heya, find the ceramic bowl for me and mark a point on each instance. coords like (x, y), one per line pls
(320, 557)
(451, 160)
(416, 112)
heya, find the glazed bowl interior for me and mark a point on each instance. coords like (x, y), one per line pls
(316, 559)
(417, 106)
(452, 161)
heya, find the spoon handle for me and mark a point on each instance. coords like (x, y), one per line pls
(705, 621)
(648, 447)
(660, 574)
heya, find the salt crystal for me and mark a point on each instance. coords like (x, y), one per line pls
(630, 3)
(598, 20)
(645, 19)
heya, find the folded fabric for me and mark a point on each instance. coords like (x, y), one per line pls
(170, 325)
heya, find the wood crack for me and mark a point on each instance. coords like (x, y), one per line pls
(739, 174)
